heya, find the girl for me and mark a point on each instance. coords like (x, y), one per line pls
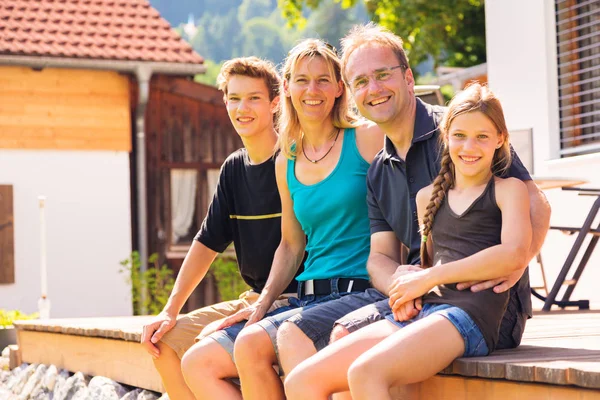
(474, 226)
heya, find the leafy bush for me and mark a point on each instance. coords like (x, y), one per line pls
(8, 316)
(158, 281)
(229, 282)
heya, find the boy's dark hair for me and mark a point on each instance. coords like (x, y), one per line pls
(252, 67)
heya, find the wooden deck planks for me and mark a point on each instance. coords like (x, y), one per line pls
(558, 348)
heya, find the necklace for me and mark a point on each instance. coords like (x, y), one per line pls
(328, 151)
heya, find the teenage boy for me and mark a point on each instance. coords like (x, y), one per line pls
(245, 210)
(377, 72)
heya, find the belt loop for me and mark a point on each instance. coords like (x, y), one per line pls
(299, 289)
(334, 285)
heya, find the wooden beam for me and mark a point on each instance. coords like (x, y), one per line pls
(123, 361)
(461, 388)
(187, 88)
(7, 239)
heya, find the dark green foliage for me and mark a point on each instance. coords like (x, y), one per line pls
(236, 28)
(158, 281)
(451, 31)
(229, 282)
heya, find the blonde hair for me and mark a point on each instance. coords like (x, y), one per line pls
(474, 98)
(289, 125)
(252, 67)
(376, 34)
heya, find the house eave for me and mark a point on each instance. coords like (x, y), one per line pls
(41, 62)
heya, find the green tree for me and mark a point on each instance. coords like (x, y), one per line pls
(451, 31)
(210, 76)
(319, 22)
(254, 8)
(262, 38)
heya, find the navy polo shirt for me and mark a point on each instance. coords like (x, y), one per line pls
(393, 183)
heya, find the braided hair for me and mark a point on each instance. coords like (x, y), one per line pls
(474, 98)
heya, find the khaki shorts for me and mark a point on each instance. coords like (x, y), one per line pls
(189, 326)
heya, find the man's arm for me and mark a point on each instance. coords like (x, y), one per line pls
(384, 259)
(540, 223)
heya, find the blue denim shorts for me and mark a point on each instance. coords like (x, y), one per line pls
(273, 320)
(475, 345)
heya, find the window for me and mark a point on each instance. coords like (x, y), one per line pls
(578, 51)
(187, 207)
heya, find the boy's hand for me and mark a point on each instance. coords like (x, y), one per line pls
(155, 330)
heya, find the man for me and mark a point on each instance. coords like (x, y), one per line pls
(245, 210)
(377, 72)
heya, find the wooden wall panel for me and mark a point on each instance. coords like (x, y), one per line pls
(64, 109)
(7, 242)
(187, 127)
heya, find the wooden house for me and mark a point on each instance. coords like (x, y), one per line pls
(99, 113)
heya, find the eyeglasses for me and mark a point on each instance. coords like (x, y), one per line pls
(379, 75)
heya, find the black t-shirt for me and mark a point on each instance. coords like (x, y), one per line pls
(246, 210)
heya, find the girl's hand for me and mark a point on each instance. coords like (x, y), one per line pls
(408, 310)
(407, 287)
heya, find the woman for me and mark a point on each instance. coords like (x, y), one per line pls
(321, 176)
(474, 226)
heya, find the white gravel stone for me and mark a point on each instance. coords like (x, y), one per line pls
(34, 380)
(132, 395)
(73, 386)
(102, 388)
(146, 395)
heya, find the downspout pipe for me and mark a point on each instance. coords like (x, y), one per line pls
(143, 75)
(143, 71)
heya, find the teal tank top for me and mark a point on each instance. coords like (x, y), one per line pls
(333, 215)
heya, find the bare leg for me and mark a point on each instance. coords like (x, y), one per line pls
(413, 354)
(168, 366)
(294, 346)
(205, 367)
(255, 357)
(337, 333)
(326, 372)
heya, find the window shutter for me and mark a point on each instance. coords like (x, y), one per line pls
(7, 243)
(578, 51)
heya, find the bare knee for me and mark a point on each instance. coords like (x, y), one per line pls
(206, 357)
(338, 332)
(290, 337)
(295, 381)
(253, 346)
(166, 358)
(361, 370)
(301, 384)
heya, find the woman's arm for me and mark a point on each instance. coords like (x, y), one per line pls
(287, 259)
(290, 252)
(493, 262)
(369, 140)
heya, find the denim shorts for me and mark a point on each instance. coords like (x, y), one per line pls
(475, 345)
(273, 320)
(317, 323)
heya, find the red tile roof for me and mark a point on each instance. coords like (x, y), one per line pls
(91, 29)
